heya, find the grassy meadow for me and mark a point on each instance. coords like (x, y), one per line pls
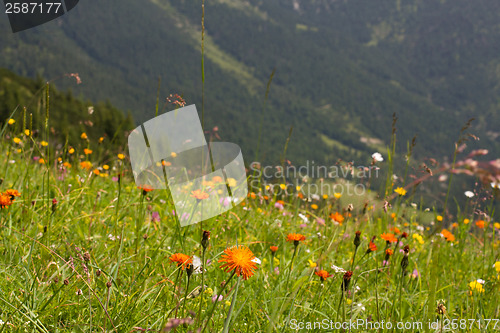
(84, 250)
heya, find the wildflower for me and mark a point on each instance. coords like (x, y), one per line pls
(312, 264)
(145, 189)
(404, 261)
(389, 238)
(404, 235)
(273, 249)
(388, 254)
(85, 165)
(448, 235)
(105, 167)
(480, 224)
(357, 239)
(44, 143)
(199, 194)
(12, 194)
(372, 247)
(216, 298)
(337, 195)
(337, 269)
(496, 225)
(377, 157)
(87, 151)
(476, 285)
(41, 161)
(418, 238)
(469, 194)
(11, 121)
(17, 140)
(295, 238)
(181, 259)
(495, 185)
(27, 132)
(84, 136)
(346, 280)
(121, 156)
(240, 260)
(439, 218)
(337, 217)
(314, 206)
(497, 266)
(414, 274)
(101, 139)
(5, 201)
(71, 150)
(466, 221)
(323, 275)
(325, 196)
(396, 230)
(205, 238)
(441, 309)
(401, 191)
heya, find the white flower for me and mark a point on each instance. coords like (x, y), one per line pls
(1, 322)
(377, 157)
(338, 269)
(495, 185)
(469, 194)
(414, 205)
(480, 281)
(256, 260)
(315, 196)
(304, 218)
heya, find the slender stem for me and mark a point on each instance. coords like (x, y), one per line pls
(233, 302)
(202, 283)
(216, 302)
(291, 266)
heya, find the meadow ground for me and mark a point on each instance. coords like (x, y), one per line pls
(84, 250)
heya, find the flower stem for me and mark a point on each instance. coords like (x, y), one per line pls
(233, 302)
(216, 302)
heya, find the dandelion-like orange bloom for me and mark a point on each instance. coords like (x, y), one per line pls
(337, 217)
(480, 224)
(85, 165)
(323, 275)
(396, 230)
(145, 188)
(295, 238)
(12, 194)
(372, 247)
(181, 259)
(199, 194)
(448, 235)
(274, 249)
(238, 259)
(389, 238)
(87, 151)
(389, 252)
(5, 201)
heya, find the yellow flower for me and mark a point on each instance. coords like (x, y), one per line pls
(41, 161)
(121, 156)
(231, 182)
(393, 215)
(276, 261)
(101, 139)
(337, 195)
(17, 140)
(496, 225)
(105, 167)
(209, 291)
(439, 218)
(71, 150)
(282, 186)
(314, 206)
(418, 238)
(297, 188)
(401, 191)
(11, 121)
(84, 136)
(466, 221)
(27, 132)
(312, 264)
(44, 143)
(475, 285)
(497, 266)
(174, 155)
(227, 303)
(103, 174)
(325, 196)
(348, 301)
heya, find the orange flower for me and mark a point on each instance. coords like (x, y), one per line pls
(12, 194)
(145, 188)
(337, 217)
(87, 151)
(199, 194)
(217, 179)
(396, 230)
(86, 165)
(240, 260)
(295, 238)
(389, 252)
(181, 259)
(5, 200)
(448, 235)
(372, 247)
(389, 238)
(274, 249)
(323, 275)
(480, 224)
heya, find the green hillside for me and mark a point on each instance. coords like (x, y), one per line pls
(342, 68)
